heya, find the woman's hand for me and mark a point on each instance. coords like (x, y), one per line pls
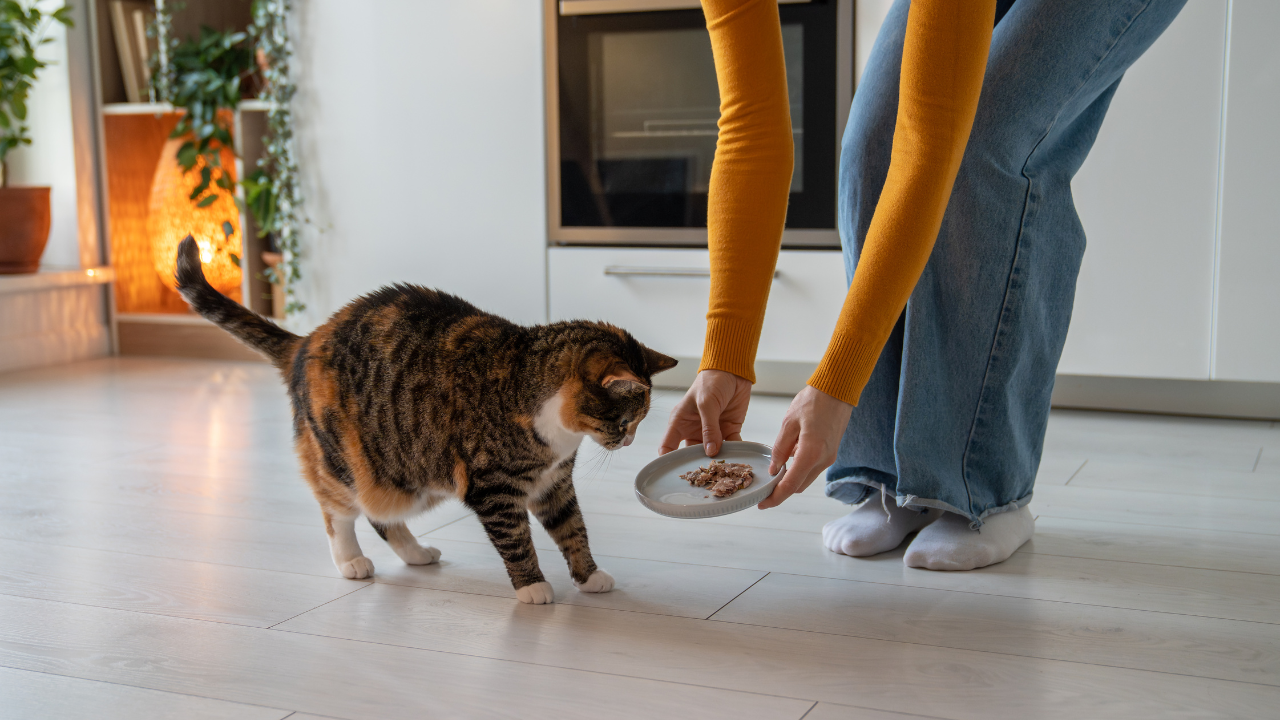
(810, 433)
(711, 412)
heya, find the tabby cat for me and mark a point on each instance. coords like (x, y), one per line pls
(408, 396)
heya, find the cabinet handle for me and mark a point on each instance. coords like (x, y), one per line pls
(662, 271)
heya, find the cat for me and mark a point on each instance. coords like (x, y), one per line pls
(409, 396)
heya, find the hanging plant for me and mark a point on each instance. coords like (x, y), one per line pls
(22, 32)
(272, 191)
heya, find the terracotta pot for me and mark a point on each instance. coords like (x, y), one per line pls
(24, 228)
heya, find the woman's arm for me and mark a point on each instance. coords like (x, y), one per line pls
(944, 56)
(750, 179)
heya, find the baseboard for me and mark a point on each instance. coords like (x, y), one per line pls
(1210, 398)
(187, 336)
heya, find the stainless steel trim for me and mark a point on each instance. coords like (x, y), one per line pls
(630, 270)
(686, 237)
(609, 7)
(657, 271)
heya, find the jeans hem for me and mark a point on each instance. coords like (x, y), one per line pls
(844, 491)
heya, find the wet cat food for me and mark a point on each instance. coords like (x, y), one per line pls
(721, 478)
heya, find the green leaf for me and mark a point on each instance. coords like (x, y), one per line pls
(187, 155)
(234, 258)
(19, 107)
(227, 228)
(211, 199)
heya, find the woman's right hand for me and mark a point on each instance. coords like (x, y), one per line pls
(711, 412)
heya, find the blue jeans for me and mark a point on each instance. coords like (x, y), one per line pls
(955, 412)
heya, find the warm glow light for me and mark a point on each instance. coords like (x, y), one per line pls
(173, 215)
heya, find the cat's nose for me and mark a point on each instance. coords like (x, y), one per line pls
(628, 440)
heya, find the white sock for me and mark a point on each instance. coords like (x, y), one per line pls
(949, 544)
(877, 526)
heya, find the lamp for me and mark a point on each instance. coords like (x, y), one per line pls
(173, 215)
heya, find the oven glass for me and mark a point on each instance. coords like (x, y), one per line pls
(638, 114)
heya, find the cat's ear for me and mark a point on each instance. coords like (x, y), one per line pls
(623, 382)
(656, 361)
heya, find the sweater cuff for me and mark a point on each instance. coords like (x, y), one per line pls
(845, 368)
(731, 346)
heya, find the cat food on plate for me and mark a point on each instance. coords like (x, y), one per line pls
(687, 483)
(721, 478)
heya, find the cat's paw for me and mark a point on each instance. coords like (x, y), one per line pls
(599, 582)
(357, 569)
(418, 555)
(539, 593)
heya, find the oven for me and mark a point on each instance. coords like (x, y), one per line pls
(632, 107)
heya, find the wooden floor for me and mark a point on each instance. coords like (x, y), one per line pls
(160, 558)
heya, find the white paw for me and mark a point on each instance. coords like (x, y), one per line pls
(358, 569)
(599, 582)
(536, 594)
(418, 555)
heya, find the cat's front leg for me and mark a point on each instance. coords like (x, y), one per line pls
(557, 509)
(506, 522)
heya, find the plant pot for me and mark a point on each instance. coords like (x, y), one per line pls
(24, 228)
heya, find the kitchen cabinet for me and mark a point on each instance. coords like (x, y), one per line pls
(1147, 197)
(1247, 338)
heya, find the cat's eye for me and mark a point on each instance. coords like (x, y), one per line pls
(622, 426)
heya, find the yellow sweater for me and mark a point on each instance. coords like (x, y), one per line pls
(943, 60)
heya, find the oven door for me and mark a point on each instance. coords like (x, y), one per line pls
(632, 130)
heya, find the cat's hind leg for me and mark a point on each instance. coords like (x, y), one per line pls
(346, 551)
(557, 509)
(338, 507)
(405, 544)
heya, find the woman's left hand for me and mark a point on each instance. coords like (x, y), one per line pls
(810, 434)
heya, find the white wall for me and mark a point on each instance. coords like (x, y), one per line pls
(420, 128)
(50, 159)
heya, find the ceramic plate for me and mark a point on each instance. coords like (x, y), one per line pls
(659, 487)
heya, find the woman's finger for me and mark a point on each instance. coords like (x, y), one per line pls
(784, 445)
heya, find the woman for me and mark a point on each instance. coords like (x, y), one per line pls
(962, 245)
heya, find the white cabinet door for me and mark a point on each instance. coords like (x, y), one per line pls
(1147, 196)
(1248, 329)
(639, 289)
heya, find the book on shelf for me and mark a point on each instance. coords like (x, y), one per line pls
(129, 22)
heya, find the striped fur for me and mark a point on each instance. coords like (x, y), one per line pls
(408, 396)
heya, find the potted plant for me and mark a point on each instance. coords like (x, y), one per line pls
(24, 212)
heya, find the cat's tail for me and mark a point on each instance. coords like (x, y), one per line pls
(247, 326)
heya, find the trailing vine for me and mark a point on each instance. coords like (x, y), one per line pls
(277, 193)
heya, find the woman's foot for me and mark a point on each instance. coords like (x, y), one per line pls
(949, 543)
(876, 526)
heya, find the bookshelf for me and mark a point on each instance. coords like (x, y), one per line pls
(151, 318)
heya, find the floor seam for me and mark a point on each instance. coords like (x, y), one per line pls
(144, 687)
(1258, 459)
(1074, 474)
(304, 612)
(735, 597)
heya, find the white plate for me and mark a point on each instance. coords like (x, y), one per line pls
(659, 487)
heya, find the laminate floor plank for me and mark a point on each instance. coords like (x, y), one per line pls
(1209, 593)
(1227, 514)
(1167, 480)
(342, 678)
(1156, 545)
(1138, 640)
(873, 673)
(157, 532)
(832, 711)
(25, 694)
(161, 586)
(642, 585)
